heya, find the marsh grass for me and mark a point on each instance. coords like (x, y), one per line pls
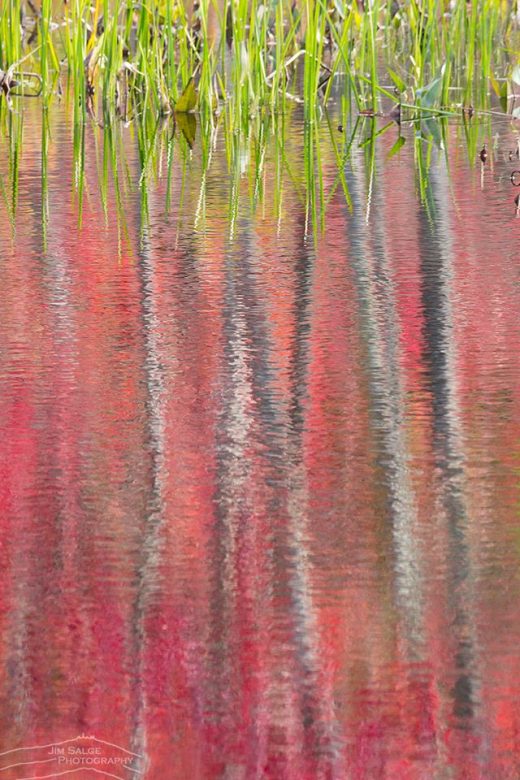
(246, 56)
(280, 160)
(235, 73)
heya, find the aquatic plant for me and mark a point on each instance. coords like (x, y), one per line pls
(245, 67)
(120, 55)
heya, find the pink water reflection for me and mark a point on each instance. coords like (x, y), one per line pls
(259, 493)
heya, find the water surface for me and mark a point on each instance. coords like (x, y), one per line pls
(259, 466)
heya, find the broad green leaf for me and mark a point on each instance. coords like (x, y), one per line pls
(430, 94)
(495, 85)
(399, 83)
(431, 132)
(188, 125)
(395, 148)
(500, 89)
(188, 99)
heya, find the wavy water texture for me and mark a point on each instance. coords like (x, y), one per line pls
(258, 484)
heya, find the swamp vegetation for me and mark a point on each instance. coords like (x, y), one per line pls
(244, 56)
(349, 70)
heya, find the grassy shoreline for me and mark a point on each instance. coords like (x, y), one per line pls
(118, 57)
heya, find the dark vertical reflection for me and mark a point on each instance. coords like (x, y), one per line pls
(437, 258)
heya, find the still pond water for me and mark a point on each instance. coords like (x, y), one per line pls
(259, 481)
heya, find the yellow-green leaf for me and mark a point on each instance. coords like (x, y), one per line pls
(399, 83)
(395, 148)
(188, 125)
(188, 99)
